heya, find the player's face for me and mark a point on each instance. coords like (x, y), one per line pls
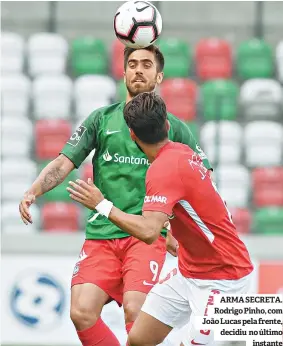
(141, 72)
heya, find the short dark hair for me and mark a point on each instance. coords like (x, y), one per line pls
(152, 48)
(146, 115)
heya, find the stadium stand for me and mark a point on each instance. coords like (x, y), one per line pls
(239, 115)
(177, 56)
(180, 95)
(213, 59)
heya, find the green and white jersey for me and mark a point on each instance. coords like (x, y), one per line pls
(119, 166)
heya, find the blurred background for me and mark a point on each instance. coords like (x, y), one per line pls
(59, 61)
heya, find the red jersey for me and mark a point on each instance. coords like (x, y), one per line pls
(178, 184)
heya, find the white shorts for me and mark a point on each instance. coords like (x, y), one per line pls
(176, 299)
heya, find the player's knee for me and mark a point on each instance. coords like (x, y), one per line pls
(131, 310)
(83, 317)
(136, 338)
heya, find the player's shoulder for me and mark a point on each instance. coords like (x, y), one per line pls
(107, 110)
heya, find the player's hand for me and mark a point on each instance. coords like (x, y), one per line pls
(85, 193)
(172, 245)
(25, 203)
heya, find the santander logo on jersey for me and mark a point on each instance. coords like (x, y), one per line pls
(125, 159)
(155, 199)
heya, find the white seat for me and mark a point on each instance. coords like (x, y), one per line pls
(261, 99)
(47, 53)
(12, 53)
(13, 190)
(279, 60)
(15, 95)
(263, 143)
(92, 92)
(229, 140)
(16, 137)
(233, 182)
(20, 169)
(52, 96)
(12, 222)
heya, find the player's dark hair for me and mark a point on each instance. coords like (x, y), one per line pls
(146, 115)
(154, 49)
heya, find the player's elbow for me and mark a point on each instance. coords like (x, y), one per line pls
(151, 236)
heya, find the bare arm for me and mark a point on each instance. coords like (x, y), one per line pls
(51, 176)
(146, 227)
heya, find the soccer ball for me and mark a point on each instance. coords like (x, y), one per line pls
(137, 24)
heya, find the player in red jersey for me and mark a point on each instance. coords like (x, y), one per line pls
(212, 258)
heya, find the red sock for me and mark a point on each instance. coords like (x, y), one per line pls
(99, 334)
(128, 328)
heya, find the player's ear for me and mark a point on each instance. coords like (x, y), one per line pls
(133, 136)
(124, 73)
(167, 125)
(159, 78)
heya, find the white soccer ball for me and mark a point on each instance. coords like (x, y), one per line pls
(137, 24)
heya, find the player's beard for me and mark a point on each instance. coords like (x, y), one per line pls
(148, 87)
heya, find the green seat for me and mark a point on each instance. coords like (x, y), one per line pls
(268, 221)
(219, 99)
(88, 56)
(121, 91)
(59, 193)
(254, 60)
(178, 58)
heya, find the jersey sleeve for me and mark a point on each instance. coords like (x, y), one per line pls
(181, 133)
(83, 140)
(163, 191)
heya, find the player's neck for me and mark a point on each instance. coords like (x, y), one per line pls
(151, 150)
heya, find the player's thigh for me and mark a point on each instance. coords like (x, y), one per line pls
(87, 300)
(167, 301)
(99, 265)
(147, 330)
(142, 264)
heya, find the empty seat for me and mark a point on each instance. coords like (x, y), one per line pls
(254, 59)
(219, 99)
(279, 60)
(60, 217)
(47, 53)
(178, 57)
(12, 222)
(213, 59)
(20, 169)
(121, 91)
(12, 53)
(50, 137)
(222, 141)
(180, 96)
(88, 56)
(92, 92)
(15, 95)
(57, 88)
(59, 193)
(16, 137)
(117, 59)
(268, 186)
(242, 219)
(263, 143)
(262, 99)
(233, 183)
(13, 190)
(268, 221)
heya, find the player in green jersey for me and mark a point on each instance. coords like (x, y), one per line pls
(112, 265)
